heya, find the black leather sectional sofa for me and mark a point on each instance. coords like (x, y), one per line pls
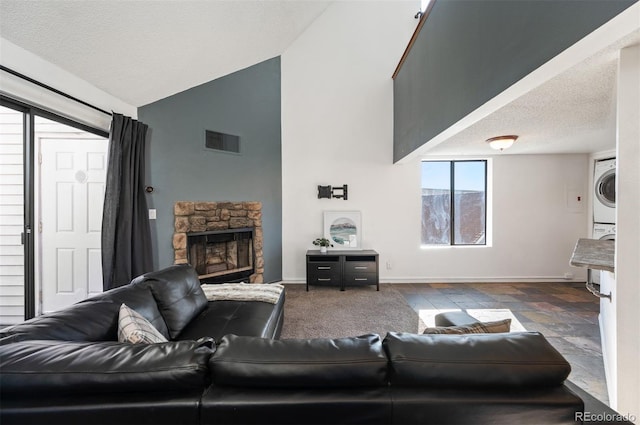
(224, 364)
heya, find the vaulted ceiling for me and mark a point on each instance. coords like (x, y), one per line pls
(143, 51)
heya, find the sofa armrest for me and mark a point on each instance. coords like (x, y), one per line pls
(521, 359)
(58, 367)
(89, 320)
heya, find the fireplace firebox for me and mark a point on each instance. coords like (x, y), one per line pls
(222, 255)
(223, 241)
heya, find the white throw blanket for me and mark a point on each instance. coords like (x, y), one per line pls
(268, 293)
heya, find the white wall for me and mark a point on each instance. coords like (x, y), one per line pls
(337, 122)
(337, 118)
(626, 291)
(534, 227)
(609, 334)
(620, 315)
(25, 62)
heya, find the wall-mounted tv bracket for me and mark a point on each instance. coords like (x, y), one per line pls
(333, 192)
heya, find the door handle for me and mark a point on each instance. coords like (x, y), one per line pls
(23, 235)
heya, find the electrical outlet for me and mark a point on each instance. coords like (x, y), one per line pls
(152, 214)
(389, 266)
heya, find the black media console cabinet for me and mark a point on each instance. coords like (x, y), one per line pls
(342, 268)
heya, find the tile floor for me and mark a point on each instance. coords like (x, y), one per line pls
(566, 313)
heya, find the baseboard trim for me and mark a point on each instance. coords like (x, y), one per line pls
(296, 281)
(487, 279)
(509, 279)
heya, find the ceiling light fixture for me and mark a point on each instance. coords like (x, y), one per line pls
(501, 143)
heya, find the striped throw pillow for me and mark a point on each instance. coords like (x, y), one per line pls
(498, 326)
(134, 328)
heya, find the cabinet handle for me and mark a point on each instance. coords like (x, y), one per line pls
(361, 267)
(361, 278)
(324, 280)
(324, 268)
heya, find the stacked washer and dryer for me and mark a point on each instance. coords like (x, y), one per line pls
(604, 202)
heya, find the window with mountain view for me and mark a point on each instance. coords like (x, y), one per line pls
(454, 202)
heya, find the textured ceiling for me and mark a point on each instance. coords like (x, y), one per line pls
(141, 51)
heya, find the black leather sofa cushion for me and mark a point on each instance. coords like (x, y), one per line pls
(92, 320)
(477, 360)
(10, 339)
(95, 319)
(52, 367)
(242, 318)
(140, 299)
(178, 294)
(299, 363)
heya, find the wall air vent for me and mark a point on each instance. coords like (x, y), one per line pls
(221, 142)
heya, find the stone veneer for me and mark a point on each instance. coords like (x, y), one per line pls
(207, 216)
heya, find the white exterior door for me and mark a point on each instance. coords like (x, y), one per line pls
(72, 180)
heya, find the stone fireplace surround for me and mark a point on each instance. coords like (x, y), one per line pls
(202, 216)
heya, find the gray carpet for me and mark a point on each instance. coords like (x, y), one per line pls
(326, 312)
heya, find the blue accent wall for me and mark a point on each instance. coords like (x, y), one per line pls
(246, 104)
(469, 51)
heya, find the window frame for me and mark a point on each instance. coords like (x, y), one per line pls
(452, 211)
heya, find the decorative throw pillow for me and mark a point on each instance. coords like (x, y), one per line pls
(134, 328)
(498, 326)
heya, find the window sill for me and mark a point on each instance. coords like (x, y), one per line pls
(429, 247)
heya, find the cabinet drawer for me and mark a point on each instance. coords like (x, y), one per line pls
(359, 267)
(360, 279)
(318, 267)
(322, 278)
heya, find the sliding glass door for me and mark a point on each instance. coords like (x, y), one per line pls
(52, 173)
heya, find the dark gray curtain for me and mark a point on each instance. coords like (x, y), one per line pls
(126, 238)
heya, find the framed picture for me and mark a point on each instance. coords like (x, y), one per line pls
(343, 229)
